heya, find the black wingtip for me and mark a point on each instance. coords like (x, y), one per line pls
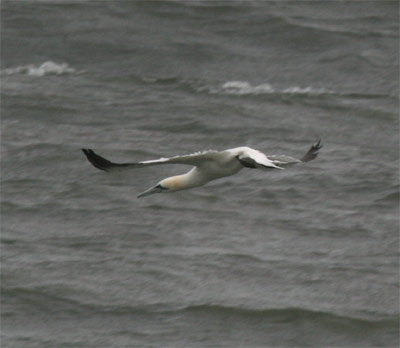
(312, 153)
(96, 160)
(317, 146)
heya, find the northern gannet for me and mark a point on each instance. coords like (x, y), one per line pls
(207, 165)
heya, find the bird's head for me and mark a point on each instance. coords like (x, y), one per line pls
(166, 185)
(155, 189)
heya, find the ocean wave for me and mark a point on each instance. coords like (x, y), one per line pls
(245, 88)
(392, 197)
(292, 312)
(49, 298)
(354, 26)
(46, 68)
(276, 314)
(239, 88)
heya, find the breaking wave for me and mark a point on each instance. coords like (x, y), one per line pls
(46, 68)
(238, 88)
(245, 88)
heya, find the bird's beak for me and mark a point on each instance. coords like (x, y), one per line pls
(150, 191)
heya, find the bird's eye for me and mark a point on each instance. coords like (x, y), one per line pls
(159, 186)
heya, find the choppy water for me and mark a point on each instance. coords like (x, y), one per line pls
(302, 257)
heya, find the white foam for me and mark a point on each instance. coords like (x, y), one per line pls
(46, 68)
(306, 90)
(246, 88)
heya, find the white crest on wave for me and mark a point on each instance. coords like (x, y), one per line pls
(46, 68)
(306, 90)
(245, 88)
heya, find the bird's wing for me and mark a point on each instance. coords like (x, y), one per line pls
(102, 163)
(255, 159)
(283, 159)
(312, 153)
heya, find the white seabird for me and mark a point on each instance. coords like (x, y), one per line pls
(207, 165)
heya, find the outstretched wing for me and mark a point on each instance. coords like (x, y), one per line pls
(282, 160)
(312, 153)
(102, 163)
(251, 158)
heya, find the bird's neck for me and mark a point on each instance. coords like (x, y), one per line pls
(185, 181)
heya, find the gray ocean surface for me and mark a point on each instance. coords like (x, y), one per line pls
(305, 257)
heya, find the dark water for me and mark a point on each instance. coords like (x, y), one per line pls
(302, 257)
